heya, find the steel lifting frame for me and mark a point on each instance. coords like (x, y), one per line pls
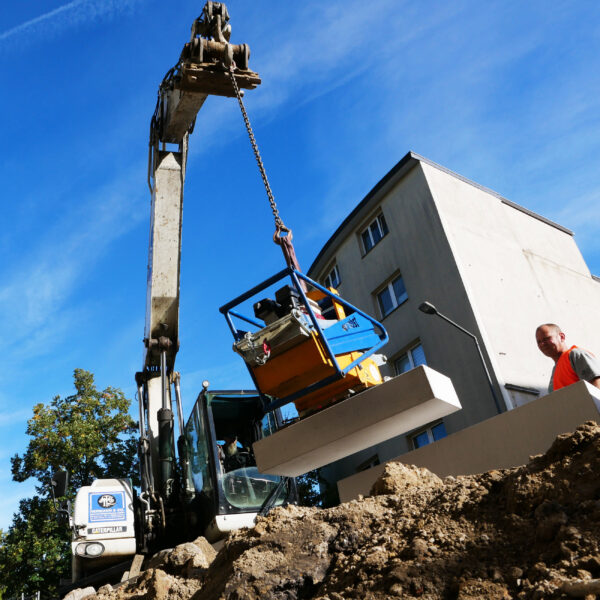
(296, 276)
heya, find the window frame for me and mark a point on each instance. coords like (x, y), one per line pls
(367, 464)
(409, 353)
(328, 281)
(389, 287)
(383, 228)
(520, 395)
(429, 431)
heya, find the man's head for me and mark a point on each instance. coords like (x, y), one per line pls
(230, 447)
(551, 340)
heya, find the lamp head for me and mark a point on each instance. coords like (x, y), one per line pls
(428, 308)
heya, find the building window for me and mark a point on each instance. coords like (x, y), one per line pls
(521, 395)
(427, 436)
(371, 462)
(333, 278)
(373, 234)
(412, 358)
(392, 296)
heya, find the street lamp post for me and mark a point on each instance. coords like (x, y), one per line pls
(430, 309)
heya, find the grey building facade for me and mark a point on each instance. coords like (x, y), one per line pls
(499, 270)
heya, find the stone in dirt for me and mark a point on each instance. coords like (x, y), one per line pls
(397, 478)
(527, 533)
(80, 593)
(186, 559)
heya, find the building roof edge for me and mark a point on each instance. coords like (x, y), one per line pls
(409, 160)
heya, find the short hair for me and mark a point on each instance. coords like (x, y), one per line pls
(554, 326)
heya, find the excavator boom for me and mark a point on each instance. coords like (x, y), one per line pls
(109, 521)
(207, 65)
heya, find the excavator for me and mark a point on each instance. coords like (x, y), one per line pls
(307, 345)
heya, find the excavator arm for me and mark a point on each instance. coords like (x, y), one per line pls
(206, 66)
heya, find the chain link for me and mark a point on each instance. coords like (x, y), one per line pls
(278, 221)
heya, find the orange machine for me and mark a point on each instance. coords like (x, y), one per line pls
(309, 351)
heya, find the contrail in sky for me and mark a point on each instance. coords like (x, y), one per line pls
(70, 14)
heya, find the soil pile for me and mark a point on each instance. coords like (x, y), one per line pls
(532, 532)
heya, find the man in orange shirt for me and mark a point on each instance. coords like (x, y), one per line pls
(571, 364)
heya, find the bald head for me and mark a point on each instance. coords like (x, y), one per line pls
(551, 340)
(550, 326)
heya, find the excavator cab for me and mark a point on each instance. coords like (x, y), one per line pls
(306, 346)
(225, 489)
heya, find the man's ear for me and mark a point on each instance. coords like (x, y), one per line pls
(561, 335)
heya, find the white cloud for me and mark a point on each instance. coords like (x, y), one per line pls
(66, 17)
(9, 418)
(312, 57)
(35, 292)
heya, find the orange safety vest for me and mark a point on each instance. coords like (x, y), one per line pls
(564, 374)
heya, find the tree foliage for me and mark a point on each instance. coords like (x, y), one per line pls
(91, 435)
(34, 553)
(315, 490)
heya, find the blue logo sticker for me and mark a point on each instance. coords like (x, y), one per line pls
(106, 506)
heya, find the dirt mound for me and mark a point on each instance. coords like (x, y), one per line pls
(531, 533)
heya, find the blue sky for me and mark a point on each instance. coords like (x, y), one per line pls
(504, 93)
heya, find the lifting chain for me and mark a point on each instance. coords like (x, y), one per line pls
(279, 226)
(285, 241)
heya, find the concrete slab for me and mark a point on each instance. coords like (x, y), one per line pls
(373, 416)
(502, 442)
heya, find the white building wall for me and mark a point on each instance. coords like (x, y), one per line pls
(416, 247)
(494, 269)
(519, 271)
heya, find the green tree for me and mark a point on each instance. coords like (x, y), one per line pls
(34, 553)
(91, 435)
(315, 490)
